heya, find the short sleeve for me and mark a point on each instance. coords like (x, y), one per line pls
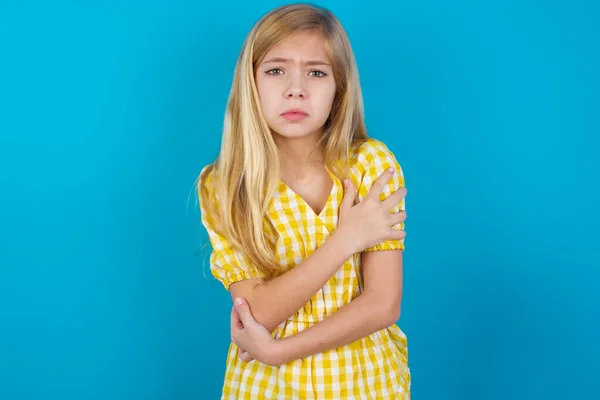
(373, 158)
(227, 264)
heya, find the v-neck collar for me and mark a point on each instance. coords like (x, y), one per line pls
(333, 192)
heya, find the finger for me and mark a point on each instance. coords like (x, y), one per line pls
(398, 217)
(244, 355)
(243, 311)
(394, 199)
(397, 234)
(234, 333)
(235, 320)
(380, 183)
(349, 194)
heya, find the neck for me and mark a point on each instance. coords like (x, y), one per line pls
(300, 155)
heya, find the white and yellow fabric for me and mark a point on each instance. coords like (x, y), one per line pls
(375, 367)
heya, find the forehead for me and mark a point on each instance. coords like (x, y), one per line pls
(301, 46)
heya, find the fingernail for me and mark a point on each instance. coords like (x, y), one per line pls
(391, 169)
(239, 301)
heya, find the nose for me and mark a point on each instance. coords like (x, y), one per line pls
(295, 93)
(296, 87)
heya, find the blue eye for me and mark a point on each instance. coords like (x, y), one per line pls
(270, 72)
(321, 73)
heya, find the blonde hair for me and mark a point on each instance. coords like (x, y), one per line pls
(246, 172)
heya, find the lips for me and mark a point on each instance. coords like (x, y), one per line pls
(294, 111)
(294, 114)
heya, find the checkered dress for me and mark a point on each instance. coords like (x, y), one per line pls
(375, 367)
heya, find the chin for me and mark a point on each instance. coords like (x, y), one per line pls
(292, 134)
(296, 131)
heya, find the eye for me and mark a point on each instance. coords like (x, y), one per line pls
(275, 71)
(319, 74)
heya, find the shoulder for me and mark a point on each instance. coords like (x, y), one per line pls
(370, 159)
(206, 189)
(207, 179)
(208, 200)
(372, 156)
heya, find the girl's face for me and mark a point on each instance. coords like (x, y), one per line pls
(296, 86)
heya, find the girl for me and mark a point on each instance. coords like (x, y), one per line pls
(298, 207)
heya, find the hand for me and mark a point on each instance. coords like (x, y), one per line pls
(244, 355)
(370, 222)
(253, 339)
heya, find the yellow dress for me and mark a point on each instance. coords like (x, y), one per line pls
(375, 367)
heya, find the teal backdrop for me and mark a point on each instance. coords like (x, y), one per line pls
(109, 110)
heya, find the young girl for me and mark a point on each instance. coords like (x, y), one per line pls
(299, 206)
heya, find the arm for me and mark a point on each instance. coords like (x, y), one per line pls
(382, 270)
(275, 301)
(377, 308)
(359, 227)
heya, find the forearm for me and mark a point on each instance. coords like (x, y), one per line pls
(363, 316)
(275, 301)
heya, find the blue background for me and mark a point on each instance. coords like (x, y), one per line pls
(109, 110)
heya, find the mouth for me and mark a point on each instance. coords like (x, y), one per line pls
(294, 114)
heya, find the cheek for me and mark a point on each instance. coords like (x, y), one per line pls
(325, 99)
(331, 95)
(266, 95)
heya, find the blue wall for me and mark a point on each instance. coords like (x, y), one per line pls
(109, 110)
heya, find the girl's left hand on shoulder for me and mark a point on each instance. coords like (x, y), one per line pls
(253, 339)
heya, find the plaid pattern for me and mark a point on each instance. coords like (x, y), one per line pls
(375, 367)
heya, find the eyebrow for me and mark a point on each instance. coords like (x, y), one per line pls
(285, 60)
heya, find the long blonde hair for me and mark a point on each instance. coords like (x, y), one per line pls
(246, 172)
